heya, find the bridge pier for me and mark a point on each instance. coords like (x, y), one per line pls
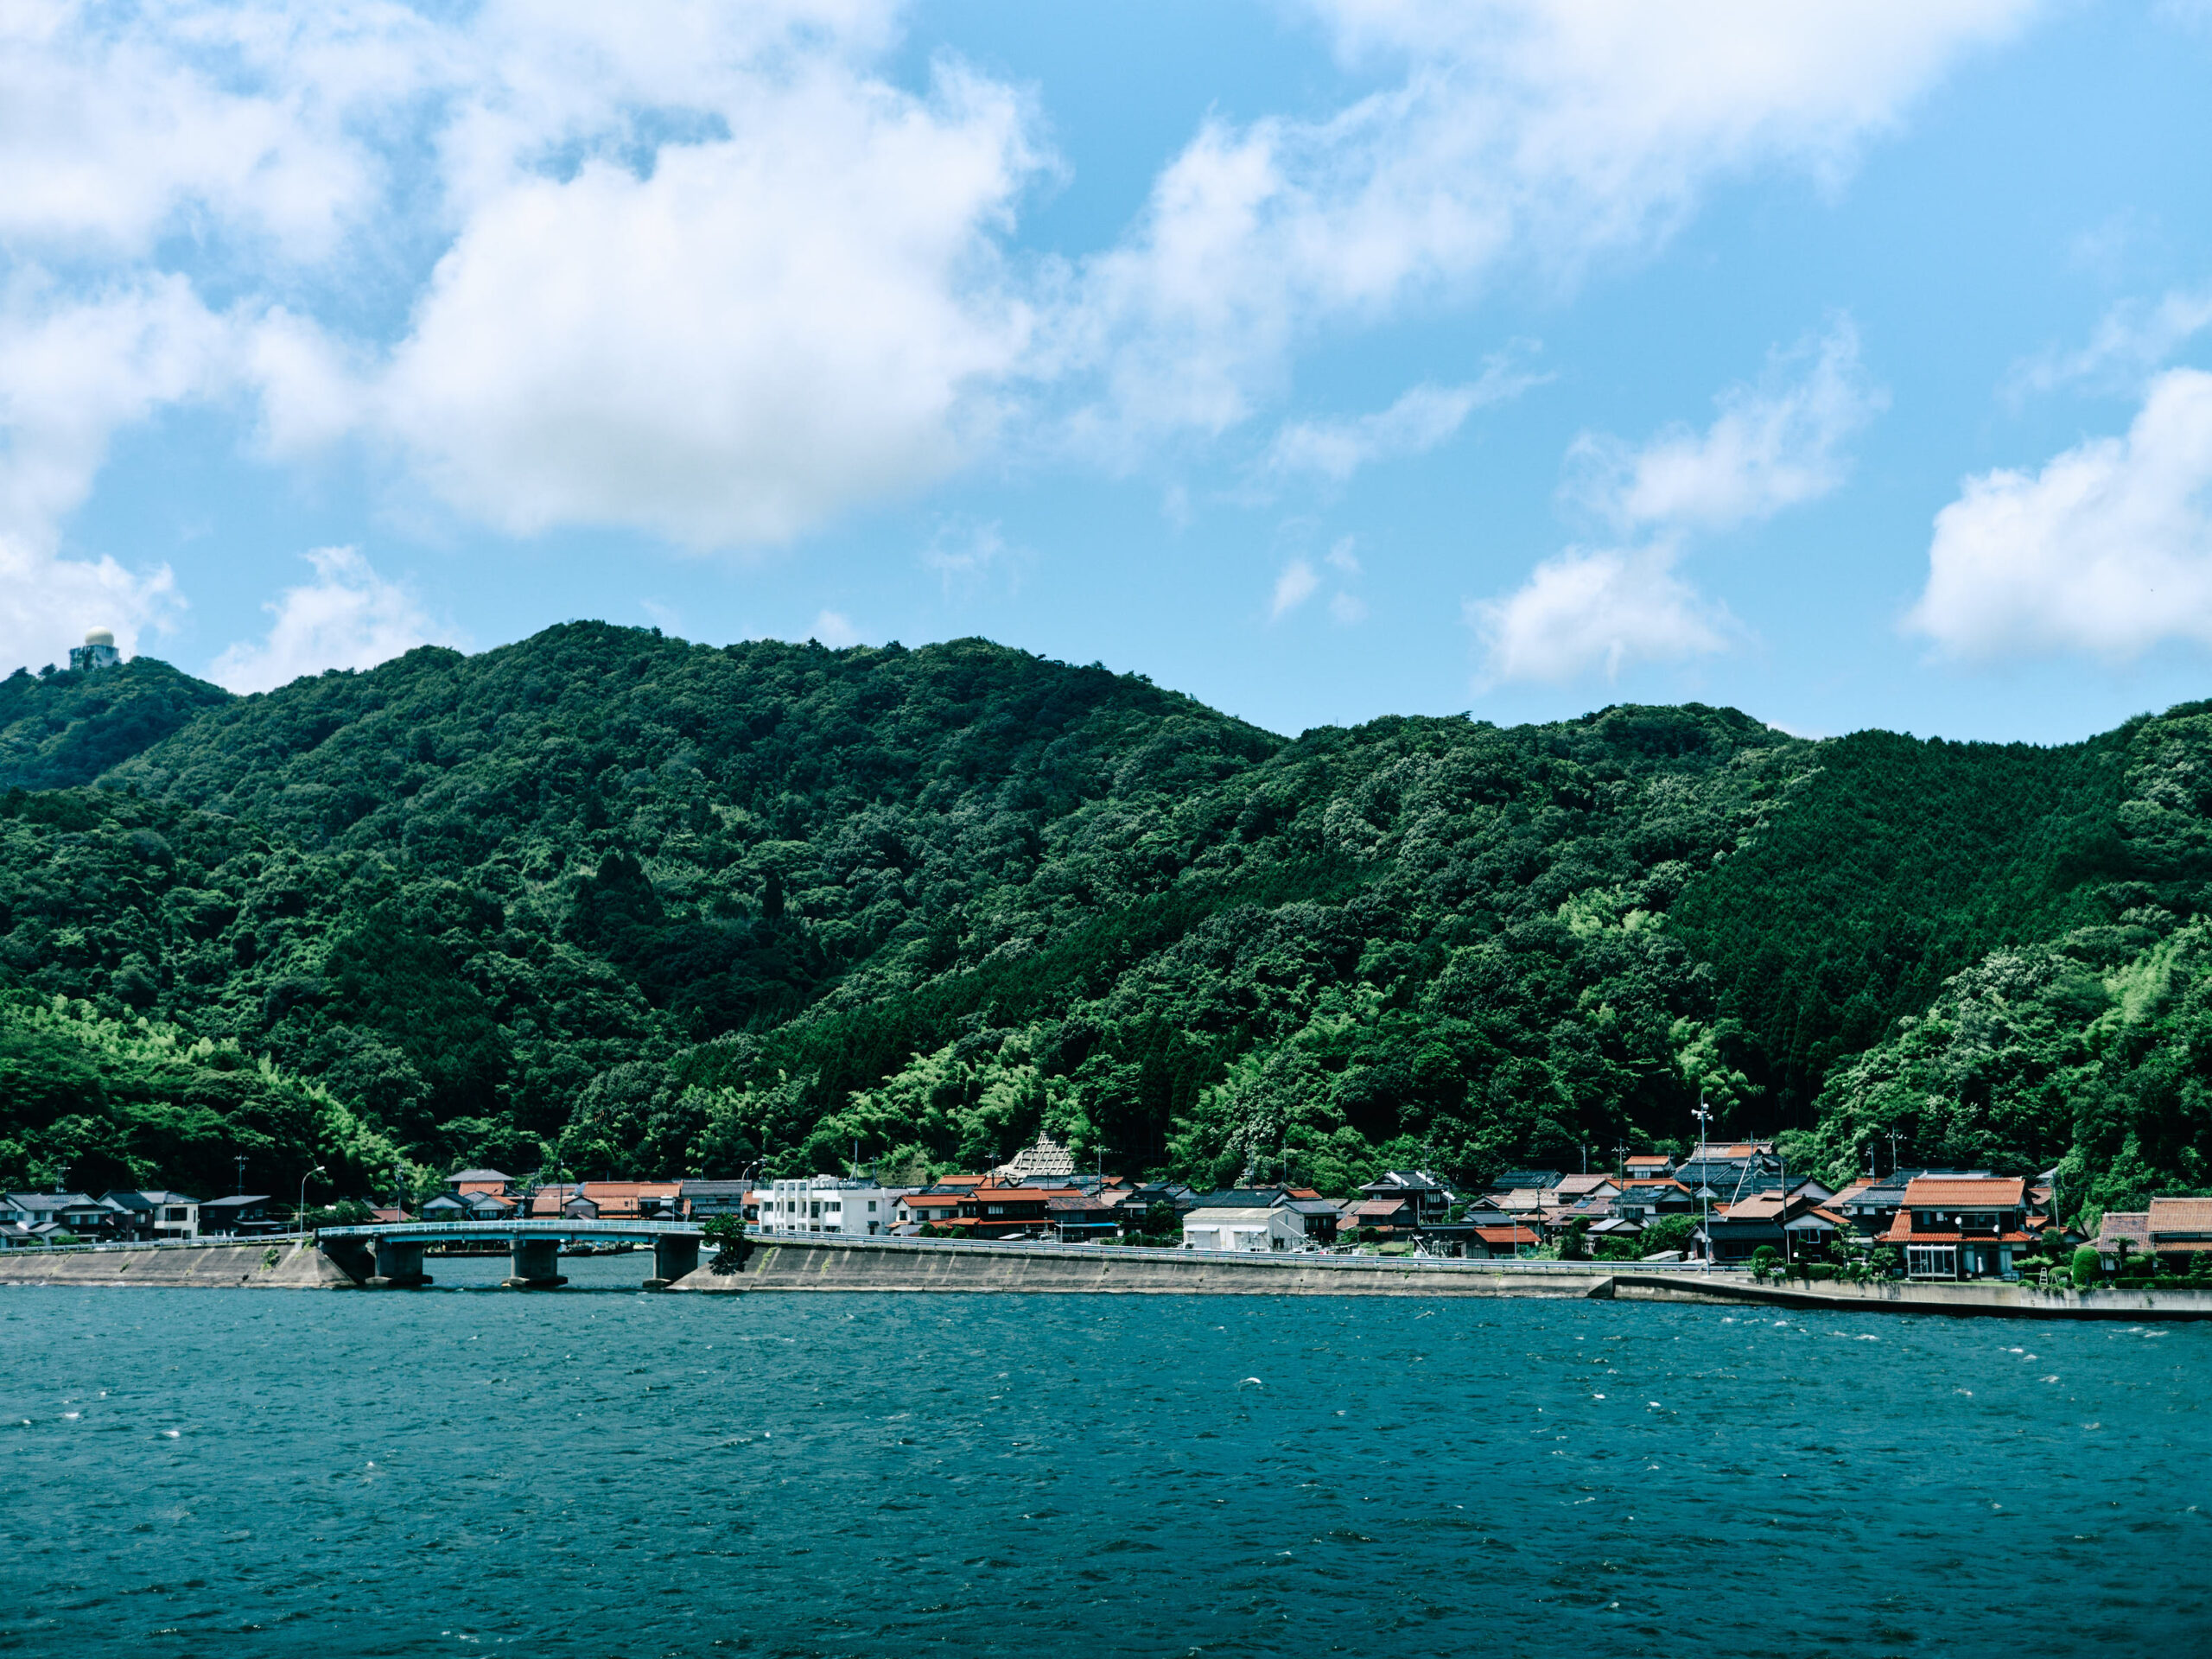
(355, 1257)
(674, 1255)
(535, 1265)
(399, 1265)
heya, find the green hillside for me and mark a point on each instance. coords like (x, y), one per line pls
(645, 907)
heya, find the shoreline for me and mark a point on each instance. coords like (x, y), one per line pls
(808, 1267)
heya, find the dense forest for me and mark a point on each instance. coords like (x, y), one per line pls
(629, 906)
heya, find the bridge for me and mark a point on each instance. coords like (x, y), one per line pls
(388, 1256)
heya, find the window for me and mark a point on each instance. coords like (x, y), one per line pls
(995, 1209)
(834, 1208)
(871, 1205)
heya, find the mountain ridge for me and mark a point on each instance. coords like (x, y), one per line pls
(634, 904)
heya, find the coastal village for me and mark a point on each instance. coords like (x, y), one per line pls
(1730, 1206)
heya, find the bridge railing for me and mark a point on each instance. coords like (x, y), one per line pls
(546, 1227)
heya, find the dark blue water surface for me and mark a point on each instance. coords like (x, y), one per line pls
(212, 1472)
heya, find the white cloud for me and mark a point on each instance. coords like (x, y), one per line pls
(769, 328)
(1293, 588)
(1347, 609)
(347, 617)
(1771, 447)
(2107, 550)
(2129, 341)
(73, 371)
(715, 272)
(1528, 135)
(1341, 556)
(49, 603)
(1608, 609)
(834, 630)
(1423, 417)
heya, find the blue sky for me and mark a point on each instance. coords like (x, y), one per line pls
(1846, 362)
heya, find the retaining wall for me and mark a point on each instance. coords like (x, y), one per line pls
(804, 1265)
(1975, 1299)
(211, 1267)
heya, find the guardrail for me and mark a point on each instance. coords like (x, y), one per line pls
(207, 1242)
(548, 1228)
(1285, 1258)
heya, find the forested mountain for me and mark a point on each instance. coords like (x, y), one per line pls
(635, 907)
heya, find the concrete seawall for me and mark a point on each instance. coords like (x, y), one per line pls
(1982, 1300)
(805, 1265)
(207, 1267)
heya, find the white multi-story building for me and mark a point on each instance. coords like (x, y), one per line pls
(826, 1204)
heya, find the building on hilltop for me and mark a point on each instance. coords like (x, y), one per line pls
(97, 652)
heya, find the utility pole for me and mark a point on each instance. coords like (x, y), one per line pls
(241, 1162)
(1704, 1192)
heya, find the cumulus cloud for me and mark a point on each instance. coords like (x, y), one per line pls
(347, 617)
(768, 328)
(1527, 135)
(73, 371)
(718, 273)
(2108, 550)
(1605, 609)
(1772, 446)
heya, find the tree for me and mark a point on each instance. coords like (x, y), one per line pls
(2088, 1267)
(732, 1244)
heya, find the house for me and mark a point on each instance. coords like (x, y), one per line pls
(471, 1204)
(606, 1201)
(1431, 1199)
(242, 1214)
(1581, 1189)
(65, 1212)
(1241, 1227)
(703, 1199)
(1961, 1226)
(1804, 1228)
(1083, 1218)
(156, 1214)
(2120, 1235)
(1647, 1200)
(1508, 1239)
(1647, 1165)
(479, 1180)
(934, 1206)
(2180, 1229)
(1393, 1217)
(814, 1204)
(1308, 1222)
(1518, 1180)
(1005, 1212)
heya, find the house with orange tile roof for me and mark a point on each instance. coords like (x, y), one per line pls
(2180, 1229)
(1961, 1226)
(608, 1200)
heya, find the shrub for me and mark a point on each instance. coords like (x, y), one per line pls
(2088, 1269)
(1763, 1262)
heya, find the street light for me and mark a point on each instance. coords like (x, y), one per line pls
(317, 1170)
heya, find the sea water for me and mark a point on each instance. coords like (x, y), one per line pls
(453, 1471)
